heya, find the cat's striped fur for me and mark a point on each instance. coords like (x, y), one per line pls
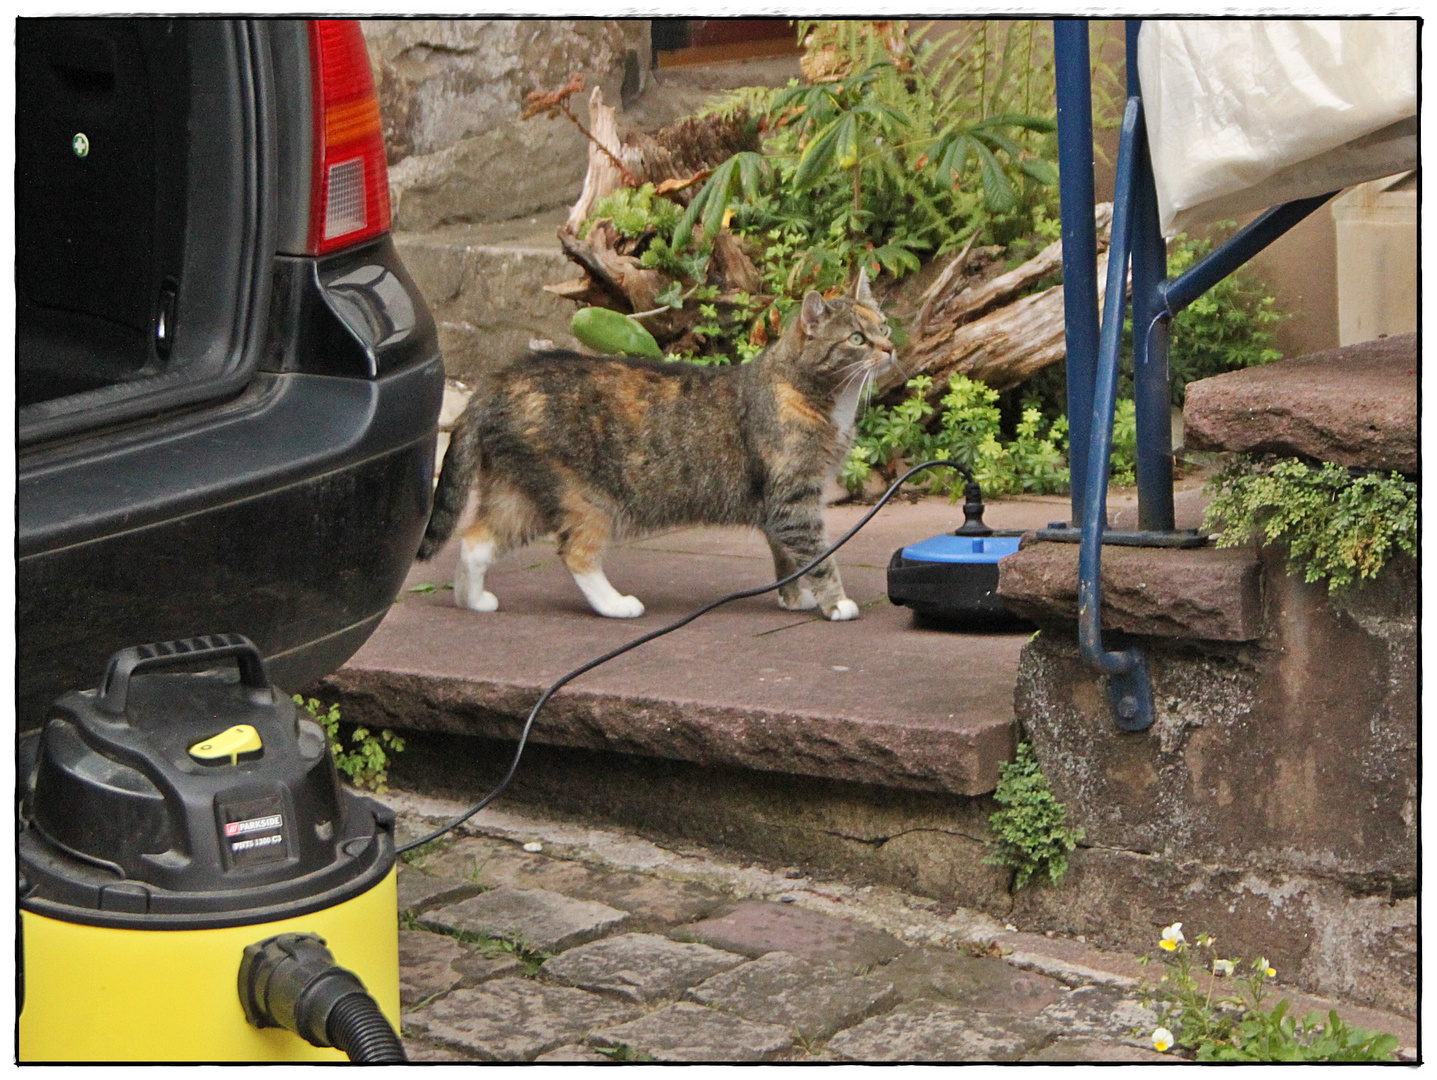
(591, 449)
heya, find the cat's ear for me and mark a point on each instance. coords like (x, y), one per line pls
(812, 312)
(861, 291)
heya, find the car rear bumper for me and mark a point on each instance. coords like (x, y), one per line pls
(290, 515)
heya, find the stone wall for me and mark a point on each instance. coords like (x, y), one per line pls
(1273, 802)
(450, 95)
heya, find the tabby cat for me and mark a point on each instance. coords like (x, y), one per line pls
(596, 448)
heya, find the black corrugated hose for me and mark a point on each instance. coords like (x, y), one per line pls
(291, 981)
(357, 1027)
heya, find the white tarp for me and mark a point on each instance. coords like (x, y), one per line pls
(1243, 114)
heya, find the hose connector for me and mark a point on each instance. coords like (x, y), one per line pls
(291, 981)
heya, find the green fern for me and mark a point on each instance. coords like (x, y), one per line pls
(1336, 523)
(366, 762)
(1033, 833)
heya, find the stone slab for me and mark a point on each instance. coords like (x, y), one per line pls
(756, 927)
(928, 1031)
(684, 1032)
(486, 290)
(420, 1050)
(878, 700)
(515, 1019)
(539, 920)
(574, 1053)
(653, 903)
(812, 998)
(639, 967)
(1072, 962)
(426, 966)
(1100, 1012)
(987, 984)
(418, 891)
(1356, 405)
(1208, 593)
(1095, 1051)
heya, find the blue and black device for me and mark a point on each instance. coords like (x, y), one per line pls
(952, 579)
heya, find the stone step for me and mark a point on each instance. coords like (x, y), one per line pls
(485, 285)
(1356, 405)
(878, 700)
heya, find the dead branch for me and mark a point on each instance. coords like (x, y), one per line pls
(1002, 348)
(983, 332)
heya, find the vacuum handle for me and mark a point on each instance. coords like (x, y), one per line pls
(115, 686)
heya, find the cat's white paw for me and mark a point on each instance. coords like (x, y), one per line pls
(621, 607)
(484, 601)
(806, 601)
(844, 610)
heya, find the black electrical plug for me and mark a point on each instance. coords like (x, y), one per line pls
(972, 511)
(291, 981)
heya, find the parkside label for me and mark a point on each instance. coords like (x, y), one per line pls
(259, 824)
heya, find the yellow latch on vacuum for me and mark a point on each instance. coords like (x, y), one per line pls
(232, 743)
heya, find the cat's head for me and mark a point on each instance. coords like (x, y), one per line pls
(846, 337)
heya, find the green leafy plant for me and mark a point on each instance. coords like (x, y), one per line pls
(1336, 523)
(906, 154)
(913, 143)
(966, 426)
(634, 211)
(1239, 1026)
(366, 763)
(1033, 833)
(495, 948)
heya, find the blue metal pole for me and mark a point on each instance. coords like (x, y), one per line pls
(1152, 391)
(1080, 244)
(1128, 685)
(1238, 249)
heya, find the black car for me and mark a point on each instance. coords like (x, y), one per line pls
(227, 383)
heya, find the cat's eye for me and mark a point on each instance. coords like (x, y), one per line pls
(856, 338)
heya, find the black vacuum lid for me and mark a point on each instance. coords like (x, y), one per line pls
(190, 794)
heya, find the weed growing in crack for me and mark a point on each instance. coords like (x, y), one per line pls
(494, 948)
(416, 857)
(1032, 828)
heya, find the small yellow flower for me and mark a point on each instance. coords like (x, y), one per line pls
(1272, 973)
(1172, 937)
(1162, 1040)
(1223, 967)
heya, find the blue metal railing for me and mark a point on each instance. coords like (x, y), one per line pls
(1092, 349)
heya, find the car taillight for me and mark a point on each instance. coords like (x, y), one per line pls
(349, 199)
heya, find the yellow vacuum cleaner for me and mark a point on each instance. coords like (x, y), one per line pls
(195, 884)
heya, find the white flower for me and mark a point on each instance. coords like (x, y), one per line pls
(1172, 937)
(1223, 967)
(1162, 1040)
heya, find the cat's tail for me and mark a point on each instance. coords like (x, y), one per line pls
(456, 477)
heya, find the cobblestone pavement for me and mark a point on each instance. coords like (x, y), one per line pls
(531, 940)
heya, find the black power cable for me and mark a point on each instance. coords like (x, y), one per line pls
(744, 594)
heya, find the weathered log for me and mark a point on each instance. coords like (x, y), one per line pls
(981, 332)
(628, 285)
(603, 175)
(975, 301)
(1003, 348)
